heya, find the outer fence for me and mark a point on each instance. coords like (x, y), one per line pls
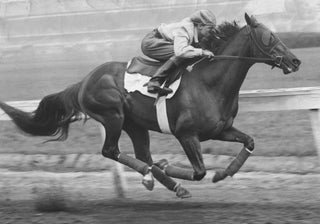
(306, 98)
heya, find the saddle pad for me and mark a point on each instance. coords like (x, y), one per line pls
(135, 81)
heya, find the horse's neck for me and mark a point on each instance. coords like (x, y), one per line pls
(228, 75)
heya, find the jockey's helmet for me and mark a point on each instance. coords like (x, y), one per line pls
(204, 16)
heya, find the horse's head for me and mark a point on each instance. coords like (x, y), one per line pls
(265, 43)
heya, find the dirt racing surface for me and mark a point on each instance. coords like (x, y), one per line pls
(90, 198)
(140, 211)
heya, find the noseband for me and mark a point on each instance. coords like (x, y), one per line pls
(253, 37)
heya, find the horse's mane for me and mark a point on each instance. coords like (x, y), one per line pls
(228, 29)
(225, 31)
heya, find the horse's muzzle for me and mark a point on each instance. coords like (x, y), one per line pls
(290, 65)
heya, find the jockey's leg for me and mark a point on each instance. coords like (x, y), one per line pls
(154, 84)
(234, 135)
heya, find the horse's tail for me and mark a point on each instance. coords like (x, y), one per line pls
(53, 115)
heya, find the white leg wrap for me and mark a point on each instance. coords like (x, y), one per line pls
(176, 187)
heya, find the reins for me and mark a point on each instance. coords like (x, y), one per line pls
(229, 57)
(277, 60)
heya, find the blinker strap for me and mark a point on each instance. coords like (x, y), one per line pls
(254, 40)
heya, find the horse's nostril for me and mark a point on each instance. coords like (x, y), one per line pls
(296, 61)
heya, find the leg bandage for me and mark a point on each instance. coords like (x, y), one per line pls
(162, 178)
(135, 164)
(237, 163)
(178, 172)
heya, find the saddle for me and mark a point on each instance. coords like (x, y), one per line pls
(143, 66)
(148, 67)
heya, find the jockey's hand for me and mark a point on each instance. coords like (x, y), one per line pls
(207, 53)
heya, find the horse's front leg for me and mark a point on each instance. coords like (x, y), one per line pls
(191, 146)
(141, 143)
(234, 135)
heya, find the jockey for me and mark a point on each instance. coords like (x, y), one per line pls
(175, 42)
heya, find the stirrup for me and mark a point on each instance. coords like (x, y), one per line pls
(161, 91)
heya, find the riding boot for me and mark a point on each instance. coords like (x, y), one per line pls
(154, 84)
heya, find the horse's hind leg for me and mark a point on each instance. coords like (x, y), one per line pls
(192, 148)
(234, 135)
(111, 149)
(113, 127)
(141, 143)
(104, 102)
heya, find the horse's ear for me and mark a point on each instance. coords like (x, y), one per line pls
(251, 21)
(254, 21)
(248, 19)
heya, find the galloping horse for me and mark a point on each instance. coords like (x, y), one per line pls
(203, 108)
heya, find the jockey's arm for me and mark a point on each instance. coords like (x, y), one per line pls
(182, 48)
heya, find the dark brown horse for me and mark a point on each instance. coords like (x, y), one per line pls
(203, 108)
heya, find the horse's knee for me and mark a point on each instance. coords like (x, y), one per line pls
(199, 175)
(250, 144)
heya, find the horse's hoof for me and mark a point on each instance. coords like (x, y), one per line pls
(219, 175)
(162, 163)
(148, 181)
(183, 193)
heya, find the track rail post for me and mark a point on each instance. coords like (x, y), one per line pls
(315, 124)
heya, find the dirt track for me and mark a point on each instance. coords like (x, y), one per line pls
(90, 198)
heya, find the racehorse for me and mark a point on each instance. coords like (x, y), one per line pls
(203, 108)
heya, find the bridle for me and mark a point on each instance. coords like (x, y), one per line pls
(277, 60)
(271, 57)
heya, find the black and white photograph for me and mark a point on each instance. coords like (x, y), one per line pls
(159, 111)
